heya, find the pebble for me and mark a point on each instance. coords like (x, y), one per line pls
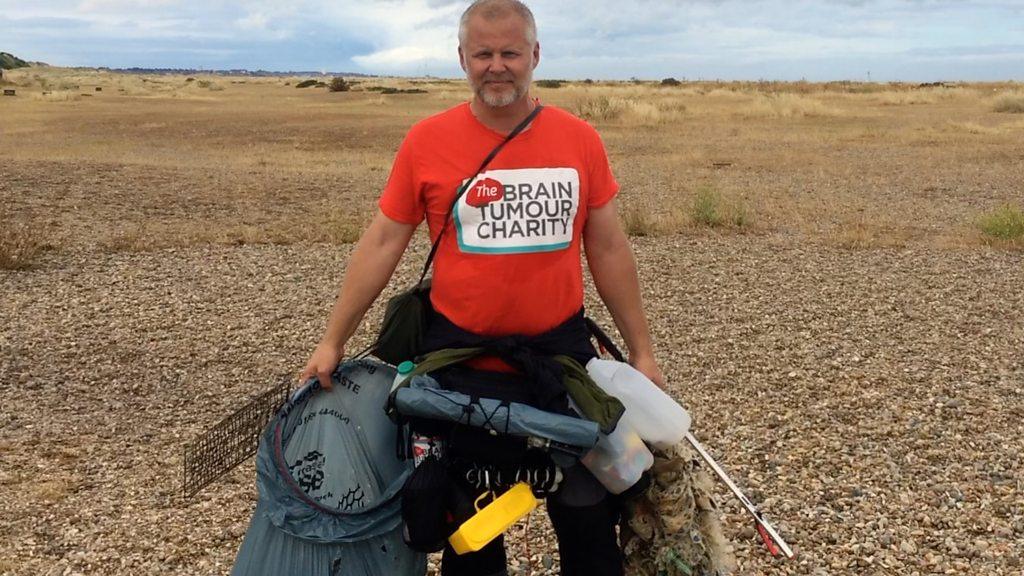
(179, 338)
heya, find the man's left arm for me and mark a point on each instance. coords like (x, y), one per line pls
(613, 267)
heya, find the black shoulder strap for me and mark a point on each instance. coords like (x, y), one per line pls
(437, 242)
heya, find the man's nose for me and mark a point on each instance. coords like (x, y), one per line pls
(497, 64)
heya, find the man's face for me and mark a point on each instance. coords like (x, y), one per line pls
(499, 59)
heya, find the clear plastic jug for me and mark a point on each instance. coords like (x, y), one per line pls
(654, 415)
(619, 458)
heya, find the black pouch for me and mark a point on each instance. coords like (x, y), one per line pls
(426, 499)
(405, 322)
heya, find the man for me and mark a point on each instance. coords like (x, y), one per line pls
(510, 262)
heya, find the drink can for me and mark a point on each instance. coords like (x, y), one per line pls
(423, 446)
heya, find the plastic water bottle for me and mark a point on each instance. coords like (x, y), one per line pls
(619, 459)
(654, 415)
(404, 369)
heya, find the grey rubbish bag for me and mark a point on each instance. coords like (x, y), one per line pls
(329, 481)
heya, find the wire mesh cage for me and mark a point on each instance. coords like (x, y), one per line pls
(235, 438)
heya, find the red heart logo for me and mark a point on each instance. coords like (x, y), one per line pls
(484, 192)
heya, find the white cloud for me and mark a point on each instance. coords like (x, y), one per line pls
(580, 38)
(402, 57)
(406, 36)
(253, 21)
(120, 6)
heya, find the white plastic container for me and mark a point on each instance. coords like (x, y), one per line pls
(654, 415)
(618, 459)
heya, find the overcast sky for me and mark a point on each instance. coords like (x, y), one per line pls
(916, 40)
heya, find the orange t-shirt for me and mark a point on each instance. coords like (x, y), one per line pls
(510, 261)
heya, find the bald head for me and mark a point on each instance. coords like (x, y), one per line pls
(491, 10)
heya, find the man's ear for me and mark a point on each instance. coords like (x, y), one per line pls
(462, 60)
(536, 54)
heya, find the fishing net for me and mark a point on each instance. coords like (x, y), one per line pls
(673, 528)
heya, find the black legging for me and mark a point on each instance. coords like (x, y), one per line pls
(587, 545)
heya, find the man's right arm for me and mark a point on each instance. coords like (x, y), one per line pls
(369, 269)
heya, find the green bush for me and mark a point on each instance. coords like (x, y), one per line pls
(711, 210)
(707, 208)
(670, 82)
(306, 84)
(1005, 223)
(549, 83)
(403, 91)
(10, 61)
(338, 84)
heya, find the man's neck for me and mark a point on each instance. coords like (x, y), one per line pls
(505, 118)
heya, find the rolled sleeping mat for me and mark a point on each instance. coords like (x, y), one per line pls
(424, 398)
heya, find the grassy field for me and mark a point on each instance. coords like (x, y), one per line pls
(107, 161)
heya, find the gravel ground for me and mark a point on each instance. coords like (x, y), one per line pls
(871, 400)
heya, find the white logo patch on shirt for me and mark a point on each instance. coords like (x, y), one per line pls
(518, 211)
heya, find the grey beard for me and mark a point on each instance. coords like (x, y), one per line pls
(502, 99)
(499, 100)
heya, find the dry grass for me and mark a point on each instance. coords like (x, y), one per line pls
(162, 161)
(337, 227)
(704, 208)
(920, 96)
(1009, 103)
(639, 221)
(787, 106)
(20, 245)
(56, 96)
(50, 491)
(602, 108)
(974, 128)
(907, 98)
(857, 233)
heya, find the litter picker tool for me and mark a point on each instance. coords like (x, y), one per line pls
(228, 443)
(769, 535)
(771, 538)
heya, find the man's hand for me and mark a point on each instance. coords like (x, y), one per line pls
(648, 366)
(322, 364)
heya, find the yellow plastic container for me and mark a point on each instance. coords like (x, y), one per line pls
(488, 523)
